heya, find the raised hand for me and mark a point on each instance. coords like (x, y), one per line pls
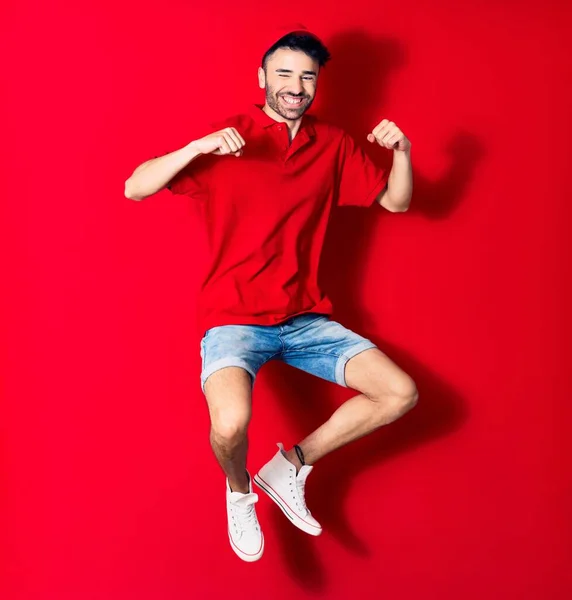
(225, 141)
(389, 136)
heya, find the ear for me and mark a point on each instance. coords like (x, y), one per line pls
(261, 78)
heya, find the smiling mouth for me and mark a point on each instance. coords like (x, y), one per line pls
(292, 101)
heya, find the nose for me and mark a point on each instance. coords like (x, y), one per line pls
(297, 87)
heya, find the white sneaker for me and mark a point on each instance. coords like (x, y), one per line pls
(244, 531)
(279, 480)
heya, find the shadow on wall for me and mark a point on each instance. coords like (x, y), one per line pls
(356, 76)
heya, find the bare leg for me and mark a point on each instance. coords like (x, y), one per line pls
(387, 393)
(229, 394)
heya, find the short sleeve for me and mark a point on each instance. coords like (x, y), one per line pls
(193, 180)
(360, 180)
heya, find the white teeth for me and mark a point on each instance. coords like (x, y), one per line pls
(292, 101)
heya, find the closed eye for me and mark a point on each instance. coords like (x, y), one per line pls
(307, 78)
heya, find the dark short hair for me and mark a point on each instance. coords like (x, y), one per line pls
(302, 42)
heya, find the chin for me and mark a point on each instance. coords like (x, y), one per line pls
(293, 113)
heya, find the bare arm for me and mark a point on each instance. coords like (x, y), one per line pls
(153, 175)
(396, 196)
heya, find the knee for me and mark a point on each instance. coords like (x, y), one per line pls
(405, 393)
(402, 393)
(229, 429)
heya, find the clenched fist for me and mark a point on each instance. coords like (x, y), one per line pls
(389, 136)
(225, 141)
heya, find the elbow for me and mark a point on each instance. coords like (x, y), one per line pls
(392, 204)
(130, 192)
(401, 206)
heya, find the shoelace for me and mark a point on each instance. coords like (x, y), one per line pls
(245, 516)
(300, 486)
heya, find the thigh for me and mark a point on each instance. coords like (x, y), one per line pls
(228, 393)
(244, 347)
(323, 347)
(374, 374)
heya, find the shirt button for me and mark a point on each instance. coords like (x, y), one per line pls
(279, 127)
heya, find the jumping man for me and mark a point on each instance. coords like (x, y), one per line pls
(267, 180)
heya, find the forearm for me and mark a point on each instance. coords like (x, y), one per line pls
(400, 182)
(153, 175)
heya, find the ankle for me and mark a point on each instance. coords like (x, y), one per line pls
(239, 484)
(292, 457)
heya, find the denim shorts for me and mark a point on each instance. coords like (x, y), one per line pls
(310, 342)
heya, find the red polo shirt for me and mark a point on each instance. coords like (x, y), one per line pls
(266, 214)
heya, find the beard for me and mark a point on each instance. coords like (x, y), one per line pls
(291, 113)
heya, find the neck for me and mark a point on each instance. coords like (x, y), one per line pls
(293, 126)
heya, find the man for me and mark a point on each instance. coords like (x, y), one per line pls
(267, 180)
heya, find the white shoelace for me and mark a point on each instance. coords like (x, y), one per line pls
(245, 516)
(300, 486)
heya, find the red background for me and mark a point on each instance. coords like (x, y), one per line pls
(108, 486)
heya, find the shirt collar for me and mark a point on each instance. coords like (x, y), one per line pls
(264, 120)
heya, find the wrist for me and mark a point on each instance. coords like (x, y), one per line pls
(191, 150)
(404, 153)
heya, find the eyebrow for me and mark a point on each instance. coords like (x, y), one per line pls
(290, 71)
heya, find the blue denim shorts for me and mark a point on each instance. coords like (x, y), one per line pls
(310, 342)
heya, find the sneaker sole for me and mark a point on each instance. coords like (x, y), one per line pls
(243, 555)
(294, 518)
